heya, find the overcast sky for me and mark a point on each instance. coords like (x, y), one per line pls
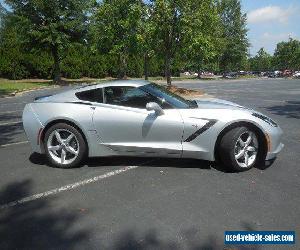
(270, 21)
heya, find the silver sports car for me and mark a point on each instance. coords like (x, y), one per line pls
(139, 118)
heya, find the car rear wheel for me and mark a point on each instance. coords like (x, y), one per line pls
(240, 149)
(65, 146)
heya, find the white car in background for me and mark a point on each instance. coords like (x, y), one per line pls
(296, 74)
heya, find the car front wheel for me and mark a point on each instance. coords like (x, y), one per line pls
(64, 145)
(240, 148)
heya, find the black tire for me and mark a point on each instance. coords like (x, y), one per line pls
(82, 146)
(227, 147)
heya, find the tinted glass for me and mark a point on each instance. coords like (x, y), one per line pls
(167, 97)
(128, 96)
(94, 95)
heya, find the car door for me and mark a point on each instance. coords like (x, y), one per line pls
(124, 124)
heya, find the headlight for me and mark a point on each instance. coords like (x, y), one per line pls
(265, 119)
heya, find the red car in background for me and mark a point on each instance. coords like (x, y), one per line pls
(287, 73)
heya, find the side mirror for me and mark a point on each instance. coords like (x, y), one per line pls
(153, 106)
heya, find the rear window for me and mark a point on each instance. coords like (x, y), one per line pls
(93, 95)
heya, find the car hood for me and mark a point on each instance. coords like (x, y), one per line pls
(221, 110)
(213, 103)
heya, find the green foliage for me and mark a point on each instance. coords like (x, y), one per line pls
(8, 87)
(11, 51)
(261, 62)
(39, 63)
(234, 33)
(287, 55)
(166, 18)
(73, 65)
(51, 24)
(117, 26)
(202, 41)
(98, 65)
(119, 38)
(2, 14)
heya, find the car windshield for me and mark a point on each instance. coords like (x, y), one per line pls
(166, 96)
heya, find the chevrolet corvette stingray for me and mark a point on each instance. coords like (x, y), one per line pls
(139, 118)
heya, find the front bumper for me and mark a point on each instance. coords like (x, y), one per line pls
(272, 155)
(275, 144)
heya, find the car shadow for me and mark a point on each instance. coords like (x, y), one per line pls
(123, 161)
(291, 109)
(156, 162)
(40, 159)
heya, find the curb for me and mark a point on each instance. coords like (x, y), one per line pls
(21, 92)
(193, 97)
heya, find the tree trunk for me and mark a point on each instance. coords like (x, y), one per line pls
(56, 69)
(123, 66)
(199, 73)
(14, 71)
(168, 69)
(146, 64)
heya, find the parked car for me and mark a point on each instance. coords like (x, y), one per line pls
(138, 118)
(230, 75)
(207, 74)
(296, 74)
(256, 73)
(287, 73)
(242, 73)
(278, 73)
(271, 74)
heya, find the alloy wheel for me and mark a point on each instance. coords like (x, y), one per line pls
(63, 146)
(246, 149)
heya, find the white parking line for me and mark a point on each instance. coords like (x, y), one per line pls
(10, 123)
(9, 112)
(67, 187)
(13, 103)
(13, 144)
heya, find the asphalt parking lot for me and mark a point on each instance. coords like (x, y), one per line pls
(132, 203)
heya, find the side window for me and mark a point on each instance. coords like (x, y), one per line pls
(127, 96)
(93, 95)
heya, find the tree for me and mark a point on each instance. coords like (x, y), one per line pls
(167, 21)
(262, 61)
(51, 24)
(146, 37)
(75, 38)
(202, 42)
(234, 34)
(12, 54)
(16, 59)
(287, 55)
(2, 14)
(117, 26)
